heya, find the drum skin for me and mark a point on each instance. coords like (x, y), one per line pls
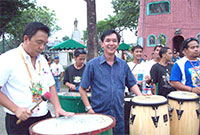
(188, 124)
(80, 124)
(143, 111)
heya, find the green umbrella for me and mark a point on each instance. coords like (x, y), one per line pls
(67, 45)
(123, 46)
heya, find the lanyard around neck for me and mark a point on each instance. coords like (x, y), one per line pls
(194, 67)
(29, 73)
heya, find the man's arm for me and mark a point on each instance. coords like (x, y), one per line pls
(55, 101)
(135, 89)
(85, 99)
(154, 78)
(179, 86)
(154, 89)
(21, 113)
(70, 86)
(61, 75)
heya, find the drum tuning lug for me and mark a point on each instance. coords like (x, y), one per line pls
(132, 119)
(170, 110)
(179, 113)
(155, 121)
(198, 112)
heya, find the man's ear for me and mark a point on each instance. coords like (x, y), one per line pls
(101, 44)
(25, 38)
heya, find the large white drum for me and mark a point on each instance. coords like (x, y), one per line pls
(78, 124)
(184, 113)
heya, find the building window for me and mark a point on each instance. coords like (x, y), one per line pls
(156, 8)
(162, 39)
(198, 37)
(151, 41)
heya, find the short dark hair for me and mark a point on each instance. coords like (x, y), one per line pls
(158, 45)
(163, 50)
(108, 32)
(32, 28)
(136, 47)
(79, 51)
(187, 41)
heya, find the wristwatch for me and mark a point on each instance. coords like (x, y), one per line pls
(87, 108)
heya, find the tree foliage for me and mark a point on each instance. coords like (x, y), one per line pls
(14, 28)
(126, 17)
(9, 9)
(127, 14)
(65, 38)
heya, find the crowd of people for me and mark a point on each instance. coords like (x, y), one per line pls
(25, 75)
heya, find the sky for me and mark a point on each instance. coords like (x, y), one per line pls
(67, 10)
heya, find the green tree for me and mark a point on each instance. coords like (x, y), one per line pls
(105, 24)
(65, 38)
(9, 9)
(84, 36)
(14, 29)
(127, 14)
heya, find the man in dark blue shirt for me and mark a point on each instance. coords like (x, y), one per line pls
(108, 75)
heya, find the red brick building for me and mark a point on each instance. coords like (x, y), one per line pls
(167, 22)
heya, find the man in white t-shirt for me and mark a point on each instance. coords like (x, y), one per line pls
(57, 71)
(137, 68)
(24, 77)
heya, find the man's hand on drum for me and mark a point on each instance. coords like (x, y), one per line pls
(22, 113)
(196, 90)
(61, 112)
(91, 111)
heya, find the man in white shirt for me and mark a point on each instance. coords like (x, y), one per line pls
(24, 77)
(137, 68)
(57, 71)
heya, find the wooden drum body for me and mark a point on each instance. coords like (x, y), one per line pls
(79, 124)
(149, 116)
(184, 114)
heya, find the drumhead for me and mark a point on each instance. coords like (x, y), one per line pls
(72, 94)
(183, 95)
(78, 124)
(127, 99)
(149, 100)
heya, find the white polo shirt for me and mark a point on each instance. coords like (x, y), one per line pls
(16, 83)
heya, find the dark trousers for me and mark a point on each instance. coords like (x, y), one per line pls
(22, 128)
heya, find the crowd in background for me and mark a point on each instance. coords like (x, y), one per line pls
(26, 77)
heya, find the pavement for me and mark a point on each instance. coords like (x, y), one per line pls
(2, 115)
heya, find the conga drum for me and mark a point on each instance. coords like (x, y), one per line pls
(79, 124)
(149, 116)
(184, 114)
(72, 102)
(127, 109)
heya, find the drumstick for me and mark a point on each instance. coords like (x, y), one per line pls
(44, 97)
